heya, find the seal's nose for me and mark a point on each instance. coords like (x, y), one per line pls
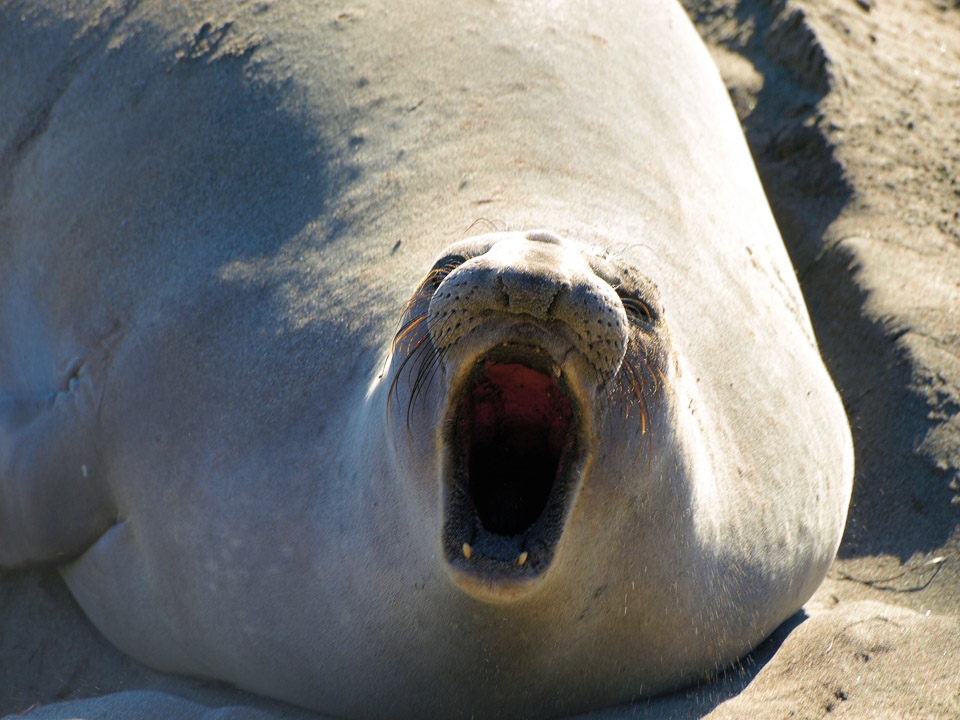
(534, 278)
(532, 283)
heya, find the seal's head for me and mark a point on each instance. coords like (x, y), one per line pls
(521, 346)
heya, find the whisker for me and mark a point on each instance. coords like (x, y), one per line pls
(613, 391)
(638, 394)
(653, 370)
(492, 223)
(427, 288)
(423, 372)
(412, 325)
(408, 308)
(624, 377)
(418, 384)
(396, 377)
(663, 380)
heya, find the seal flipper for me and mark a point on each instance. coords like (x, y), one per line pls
(53, 505)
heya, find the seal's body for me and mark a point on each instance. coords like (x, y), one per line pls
(596, 461)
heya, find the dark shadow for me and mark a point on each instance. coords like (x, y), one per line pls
(898, 506)
(700, 700)
(198, 121)
(186, 162)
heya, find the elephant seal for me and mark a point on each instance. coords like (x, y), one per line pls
(600, 457)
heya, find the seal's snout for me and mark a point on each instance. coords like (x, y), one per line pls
(519, 321)
(525, 286)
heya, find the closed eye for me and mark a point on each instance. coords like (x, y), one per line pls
(636, 309)
(418, 303)
(443, 267)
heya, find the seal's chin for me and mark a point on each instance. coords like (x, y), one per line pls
(513, 452)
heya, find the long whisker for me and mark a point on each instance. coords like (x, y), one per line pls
(492, 223)
(404, 331)
(427, 287)
(637, 393)
(616, 390)
(396, 377)
(653, 370)
(408, 307)
(424, 372)
(663, 380)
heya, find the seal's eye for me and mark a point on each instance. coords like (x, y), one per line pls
(637, 310)
(443, 267)
(640, 298)
(418, 304)
(639, 295)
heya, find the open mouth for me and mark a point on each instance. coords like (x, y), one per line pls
(514, 454)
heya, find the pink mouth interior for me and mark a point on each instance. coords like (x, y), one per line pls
(517, 425)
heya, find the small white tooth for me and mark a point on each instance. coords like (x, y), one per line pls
(467, 550)
(523, 558)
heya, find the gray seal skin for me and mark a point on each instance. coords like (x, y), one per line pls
(599, 459)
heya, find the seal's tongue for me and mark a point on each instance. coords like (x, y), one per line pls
(516, 425)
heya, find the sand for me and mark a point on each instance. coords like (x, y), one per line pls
(852, 110)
